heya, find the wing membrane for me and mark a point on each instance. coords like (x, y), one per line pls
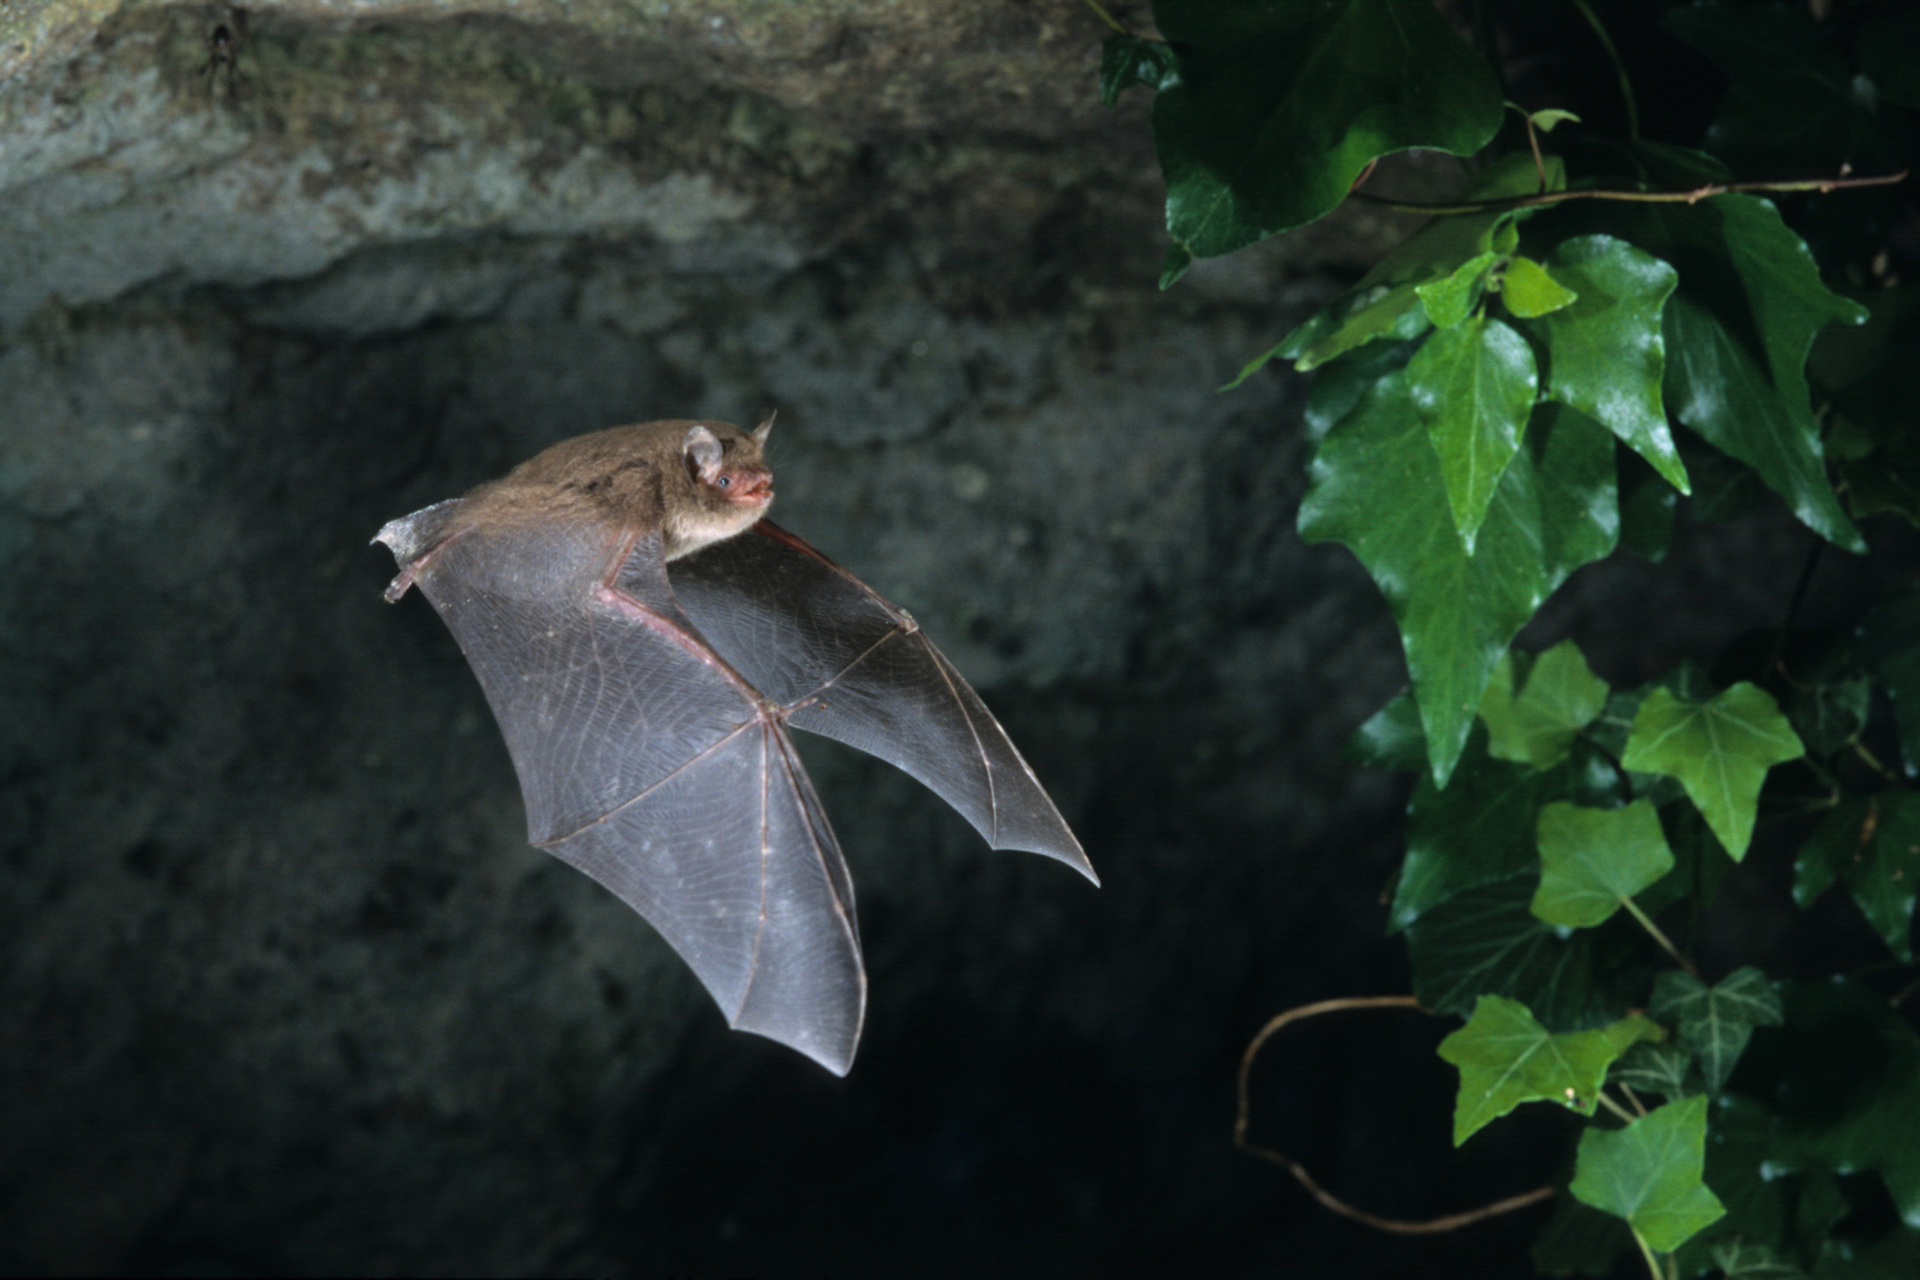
(651, 766)
(851, 666)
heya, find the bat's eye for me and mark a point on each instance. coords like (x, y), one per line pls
(723, 481)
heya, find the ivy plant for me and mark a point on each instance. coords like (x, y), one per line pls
(1612, 321)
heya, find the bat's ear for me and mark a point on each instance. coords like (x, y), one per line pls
(703, 447)
(760, 432)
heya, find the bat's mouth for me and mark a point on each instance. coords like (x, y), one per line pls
(755, 492)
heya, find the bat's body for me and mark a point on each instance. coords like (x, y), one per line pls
(644, 639)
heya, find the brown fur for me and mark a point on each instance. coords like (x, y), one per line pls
(638, 479)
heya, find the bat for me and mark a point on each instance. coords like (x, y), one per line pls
(645, 639)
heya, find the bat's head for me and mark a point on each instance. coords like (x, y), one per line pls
(729, 486)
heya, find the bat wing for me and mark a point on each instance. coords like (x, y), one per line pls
(650, 764)
(847, 663)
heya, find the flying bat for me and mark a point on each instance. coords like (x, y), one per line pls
(645, 639)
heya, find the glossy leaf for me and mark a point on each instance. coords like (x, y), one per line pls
(1530, 292)
(1664, 1068)
(1593, 860)
(1536, 725)
(1650, 1173)
(1386, 303)
(1355, 319)
(1607, 352)
(1720, 750)
(1873, 846)
(1339, 388)
(1545, 120)
(1127, 60)
(1484, 941)
(1473, 385)
(1448, 299)
(1737, 334)
(1506, 1058)
(1279, 106)
(1392, 738)
(1478, 829)
(1716, 388)
(1716, 1022)
(1376, 486)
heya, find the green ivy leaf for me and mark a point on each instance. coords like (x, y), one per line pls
(1737, 335)
(1339, 388)
(1478, 829)
(1127, 60)
(1506, 1058)
(1889, 646)
(1376, 486)
(1720, 751)
(1742, 1259)
(1449, 299)
(1607, 352)
(1357, 317)
(1759, 1208)
(1828, 714)
(1791, 1214)
(1716, 1021)
(1664, 1068)
(1473, 384)
(1392, 738)
(1484, 941)
(1530, 292)
(1716, 388)
(1536, 726)
(1387, 301)
(1848, 1097)
(1649, 1173)
(1594, 860)
(1873, 844)
(1279, 106)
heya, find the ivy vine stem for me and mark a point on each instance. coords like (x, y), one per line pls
(1646, 1251)
(1606, 1100)
(1872, 761)
(1653, 929)
(1107, 18)
(1692, 196)
(1450, 1222)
